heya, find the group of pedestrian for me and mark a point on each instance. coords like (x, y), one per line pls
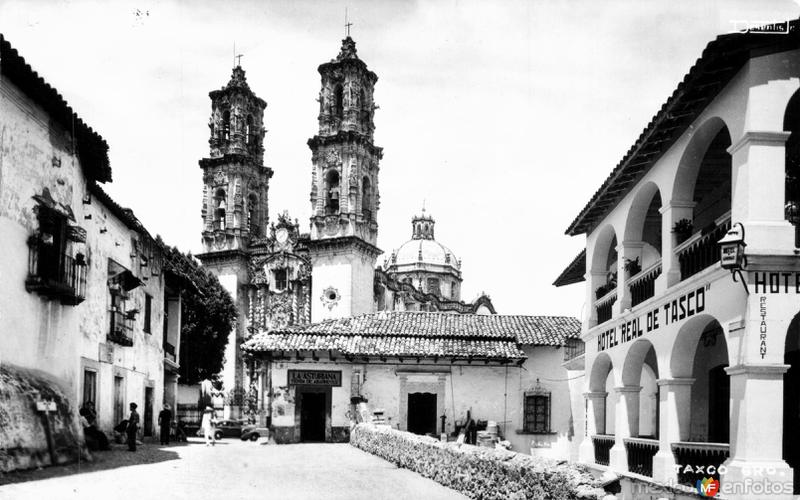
(97, 440)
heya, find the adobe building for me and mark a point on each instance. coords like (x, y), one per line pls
(87, 312)
(693, 372)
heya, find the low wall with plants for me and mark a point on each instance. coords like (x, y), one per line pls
(481, 473)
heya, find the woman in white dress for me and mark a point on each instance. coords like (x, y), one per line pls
(207, 424)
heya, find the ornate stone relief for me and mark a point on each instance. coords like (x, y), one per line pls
(330, 297)
(220, 179)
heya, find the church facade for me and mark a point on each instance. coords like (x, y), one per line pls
(280, 276)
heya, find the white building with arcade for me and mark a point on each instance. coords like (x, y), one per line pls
(689, 373)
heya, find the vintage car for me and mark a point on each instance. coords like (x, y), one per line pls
(253, 432)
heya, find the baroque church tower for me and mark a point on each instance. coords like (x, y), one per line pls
(344, 189)
(235, 186)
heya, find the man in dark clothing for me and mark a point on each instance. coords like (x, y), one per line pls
(164, 422)
(133, 426)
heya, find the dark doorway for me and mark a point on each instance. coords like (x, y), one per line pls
(791, 401)
(119, 399)
(422, 413)
(148, 411)
(719, 401)
(312, 416)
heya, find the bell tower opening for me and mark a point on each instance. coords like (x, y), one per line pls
(332, 192)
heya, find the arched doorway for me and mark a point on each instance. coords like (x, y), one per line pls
(791, 123)
(791, 401)
(601, 407)
(700, 352)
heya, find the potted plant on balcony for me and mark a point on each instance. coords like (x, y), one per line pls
(632, 266)
(682, 229)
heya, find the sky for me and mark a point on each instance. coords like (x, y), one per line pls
(502, 117)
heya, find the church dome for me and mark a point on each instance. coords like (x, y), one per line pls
(423, 253)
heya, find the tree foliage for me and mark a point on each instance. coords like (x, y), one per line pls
(208, 316)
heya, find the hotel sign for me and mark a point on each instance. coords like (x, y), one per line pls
(315, 377)
(673, 311)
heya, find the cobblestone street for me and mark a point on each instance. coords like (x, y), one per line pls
(231, 470)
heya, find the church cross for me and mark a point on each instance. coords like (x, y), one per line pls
(347, 23)
(239, 59)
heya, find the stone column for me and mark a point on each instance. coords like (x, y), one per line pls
(593, 279)
(675, 398)
(626, 424)
(758, 161)
(630, 250)
(671, 212)
(595, 423)
(756, 439)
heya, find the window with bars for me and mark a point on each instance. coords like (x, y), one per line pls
(537, 412)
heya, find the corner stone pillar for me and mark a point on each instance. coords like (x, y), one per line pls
(756, 439)
(626, 424)
(595, 423)
(675, 398)
(758, 161)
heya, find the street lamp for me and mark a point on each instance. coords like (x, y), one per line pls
(732, 255)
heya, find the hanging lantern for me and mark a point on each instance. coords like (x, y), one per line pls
(732, 248)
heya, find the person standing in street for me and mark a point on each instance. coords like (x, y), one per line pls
(165, 423)
(133, 427)
(207, 424)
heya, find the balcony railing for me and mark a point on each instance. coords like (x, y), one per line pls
(701, 250)
(603, 306)
(640, 453)
(573, 348)
(602, 448)
(643, 284)
(699, 456)
(55, 274)
(121, 328)
(169, 352)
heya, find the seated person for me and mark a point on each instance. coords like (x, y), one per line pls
(95, 438)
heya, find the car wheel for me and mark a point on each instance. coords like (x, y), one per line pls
(218, 435)
(253, 437)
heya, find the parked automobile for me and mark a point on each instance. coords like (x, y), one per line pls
(253, 432)
(225, 428)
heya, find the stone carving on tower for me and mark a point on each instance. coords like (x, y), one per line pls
(344, 191)
(234, 211)
(235, 180)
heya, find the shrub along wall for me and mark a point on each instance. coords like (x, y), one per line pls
(481, 473)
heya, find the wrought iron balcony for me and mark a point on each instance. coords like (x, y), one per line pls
(640, 453)
(603, 306)
(700, 250)
(55, 274)
(643, 284)
(121, 328)
(573, 348)
(698, 455)
(602, 448)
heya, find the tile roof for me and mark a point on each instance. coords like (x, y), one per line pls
(91, 148)
(574, 272)
(421, 334)
(718, 64)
